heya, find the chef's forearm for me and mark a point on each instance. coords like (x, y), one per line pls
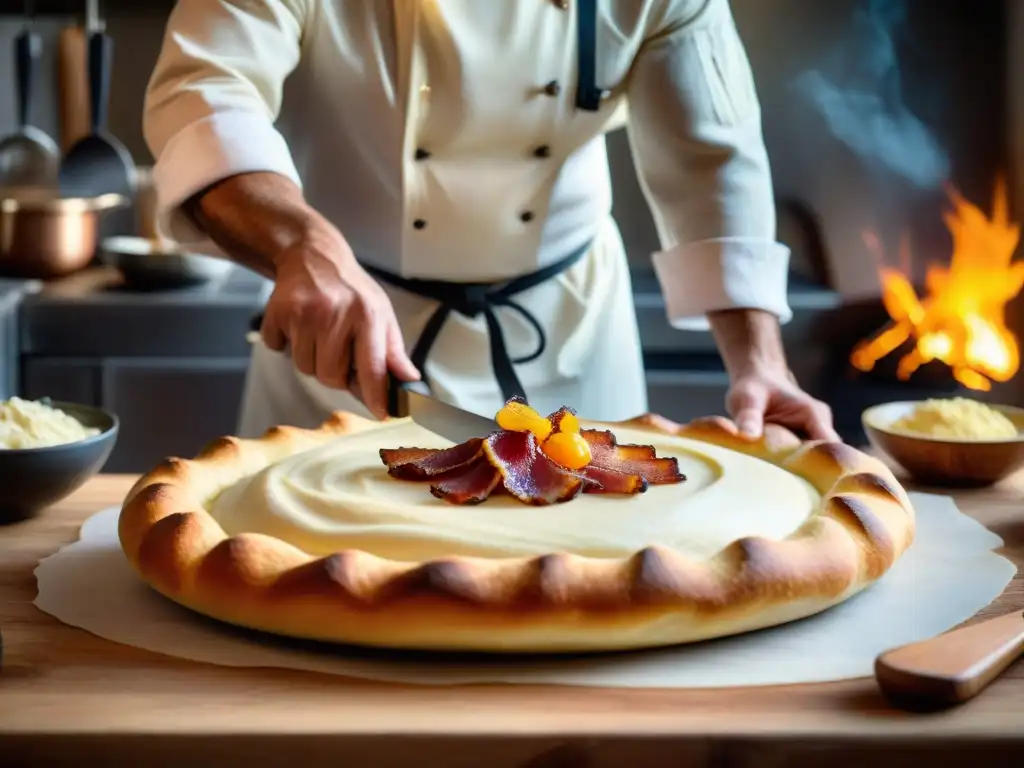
(256, 218)
(748, 340)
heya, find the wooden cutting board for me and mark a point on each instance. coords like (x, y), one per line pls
(67, 696)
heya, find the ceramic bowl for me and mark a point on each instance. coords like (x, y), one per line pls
(32, 479)
(946, 461)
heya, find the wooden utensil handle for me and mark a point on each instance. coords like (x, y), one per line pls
(75, 115)
(953, 667)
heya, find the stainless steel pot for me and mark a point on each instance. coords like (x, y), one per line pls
(43, 237)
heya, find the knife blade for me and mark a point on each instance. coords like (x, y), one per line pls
(412, 399)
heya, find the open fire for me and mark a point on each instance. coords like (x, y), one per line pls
(960, 321)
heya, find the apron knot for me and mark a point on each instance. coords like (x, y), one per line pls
(473, 300)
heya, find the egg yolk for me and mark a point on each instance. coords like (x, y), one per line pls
(569, 449)
(519, 417)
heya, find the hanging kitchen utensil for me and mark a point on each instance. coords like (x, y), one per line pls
(73, 83)
(29, 157)
(98, 163)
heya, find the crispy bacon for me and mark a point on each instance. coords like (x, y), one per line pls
(423, 463)
(609, 481)
(642, 460)
(527, 473)
(509, 461)
(471, 483)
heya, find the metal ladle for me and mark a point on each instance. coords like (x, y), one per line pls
(29, 158)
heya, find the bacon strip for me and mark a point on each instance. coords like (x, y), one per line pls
(423, 463)
(604, 443)
(513, 462)
(607, 454)
(610, 481)
(469, 484)
(527, 473)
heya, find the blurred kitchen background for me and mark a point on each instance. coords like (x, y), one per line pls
(871, 109)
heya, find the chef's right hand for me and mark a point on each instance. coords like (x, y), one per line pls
(336, 319)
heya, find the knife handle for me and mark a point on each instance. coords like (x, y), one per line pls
(398, 402)
(398, 395)
(952, 667)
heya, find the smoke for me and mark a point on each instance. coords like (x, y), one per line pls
(863, 106)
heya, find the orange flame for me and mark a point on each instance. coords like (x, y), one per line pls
(961, 319)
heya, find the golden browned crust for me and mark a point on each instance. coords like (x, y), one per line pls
(557, 602)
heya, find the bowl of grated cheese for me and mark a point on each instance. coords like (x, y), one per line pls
(48, 450)
(954, 441)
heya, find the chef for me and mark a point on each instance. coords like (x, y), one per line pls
(426, 184)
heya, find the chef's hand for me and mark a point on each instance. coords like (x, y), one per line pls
(763, 389)
(760, 395)
(336, 319)
(332, 315)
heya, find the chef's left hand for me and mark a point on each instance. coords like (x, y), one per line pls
(760, 395)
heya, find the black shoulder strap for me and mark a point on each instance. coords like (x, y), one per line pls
(588, 95)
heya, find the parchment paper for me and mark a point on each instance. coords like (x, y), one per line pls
(949, 573)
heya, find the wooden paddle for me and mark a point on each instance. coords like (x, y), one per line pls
(953, 667)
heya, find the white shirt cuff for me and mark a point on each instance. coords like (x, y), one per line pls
(208, 151)
(723, 273)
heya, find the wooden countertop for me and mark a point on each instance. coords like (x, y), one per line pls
(67, 696)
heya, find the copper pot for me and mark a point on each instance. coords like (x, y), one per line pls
(43, 237)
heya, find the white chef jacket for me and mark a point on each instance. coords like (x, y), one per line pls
(441, 137)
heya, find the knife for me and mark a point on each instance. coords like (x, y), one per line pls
(412, 399)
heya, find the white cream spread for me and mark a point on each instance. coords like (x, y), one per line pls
(339, 496)
(35, 424)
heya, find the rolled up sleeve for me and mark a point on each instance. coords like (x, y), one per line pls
(695, 132)
(214, 97)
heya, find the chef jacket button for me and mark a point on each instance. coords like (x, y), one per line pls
(526, 216)
(419, 223)
(552, 88)
(422, 154)
(563, 4)
(542, 151)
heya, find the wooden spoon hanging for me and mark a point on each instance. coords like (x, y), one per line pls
(75, 114)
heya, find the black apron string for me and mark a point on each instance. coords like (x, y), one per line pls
(472, 300)
(588, 95)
